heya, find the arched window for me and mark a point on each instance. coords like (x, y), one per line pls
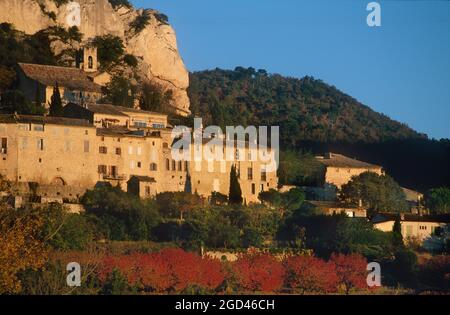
(90, 62)
(174, 165)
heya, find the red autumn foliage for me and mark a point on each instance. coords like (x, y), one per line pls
(310, 274)
(168, 270)
(351, 271)
(258, 272)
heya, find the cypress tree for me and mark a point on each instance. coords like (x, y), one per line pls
(56, 108)
(397, 232)
(235, 195)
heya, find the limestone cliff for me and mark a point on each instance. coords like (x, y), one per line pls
(155, 45)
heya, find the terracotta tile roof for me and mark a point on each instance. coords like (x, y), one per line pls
(26, 119)
(339, 160)
(72, 78)
(118, 110)
(409, 217)
(105, 109)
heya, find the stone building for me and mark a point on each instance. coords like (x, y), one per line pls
(121, 146)
(414, 227)
(340, 169)
(81, 84)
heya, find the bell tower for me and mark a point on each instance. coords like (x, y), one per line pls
(88, 62)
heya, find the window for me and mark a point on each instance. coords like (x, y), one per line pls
(263, 175)
(165, 145)
(103, 150)
(102, 169)
(90, 62)
(158, 126)
(262, 187)
(174, 165)
(140, 124)
(130, 150)
(4, 146)
(38, 128)
(180, 165)
(113, 170)
(118, 151)
(40, 144)
(250, 173)
(147, 190)
(86, 146)
(86, 132)
(139, 151)
(253, 189)
(24, 127)
(132, 164)
(186, 166)
(139, 164)
(167, 164)
(153, 167)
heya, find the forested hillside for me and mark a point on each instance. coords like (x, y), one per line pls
(315, 116)
(307, 109)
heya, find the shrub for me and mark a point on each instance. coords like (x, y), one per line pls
(351, 271)
(170, 270)
(141, 21)
(258, 272)
(130, 60)
(435, 272)
(310, 274)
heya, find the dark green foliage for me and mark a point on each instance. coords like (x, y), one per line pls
(336, 234)
(162, 18)
(286, 202)
(402, 270)
(14, 101)
(397, 232)
(218, 199)
(235, 195)
(438, 200)
(121, 92)
(116, 284)
(378, 193)
(155, 98)
(56, 107)
(119, 215)
(300, 169)
(117, 3)
(130, 60)
(306, 109)
(110, 50)
(66, 231)
(7, 78)
(141, 21)
(16, 47)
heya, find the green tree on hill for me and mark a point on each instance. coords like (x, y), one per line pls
(377, 192)
(235, 195)
(438, 200)
(56, 108)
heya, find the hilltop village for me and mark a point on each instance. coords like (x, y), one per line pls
(57, 159)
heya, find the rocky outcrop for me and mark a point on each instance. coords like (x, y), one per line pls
(155, 45)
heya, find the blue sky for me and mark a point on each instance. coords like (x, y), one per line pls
(401, 69)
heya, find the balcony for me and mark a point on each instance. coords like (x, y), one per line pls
(114, 176)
